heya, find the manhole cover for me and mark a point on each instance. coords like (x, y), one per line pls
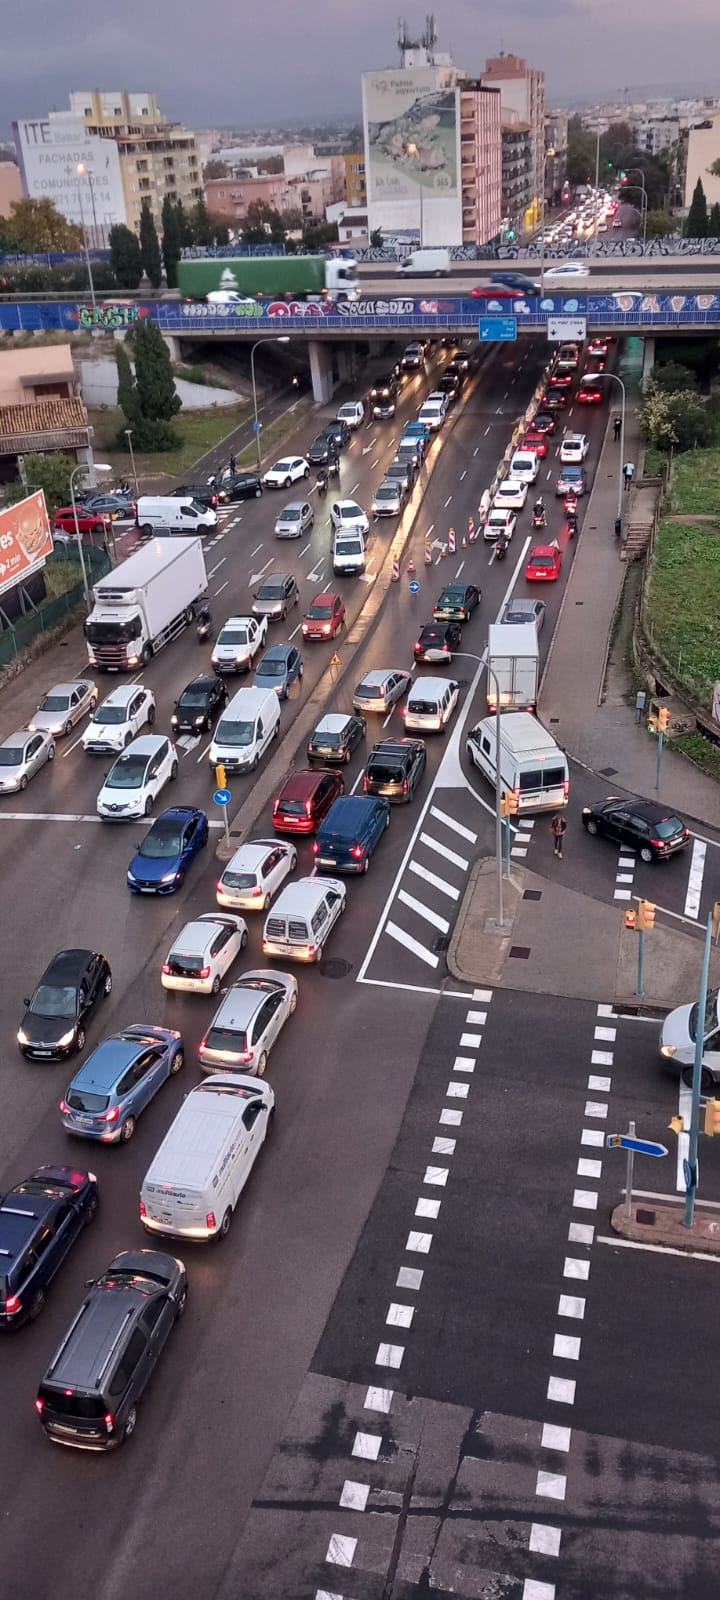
(532, 894)
(520, 952)
(333, 967)
(608, 772)
(441, 943)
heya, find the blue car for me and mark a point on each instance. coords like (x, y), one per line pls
(39, 1220)
(280, 667)
(346, 839)
(168, 849)
(118, 1080)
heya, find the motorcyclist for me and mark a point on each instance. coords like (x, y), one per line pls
(204, 620)
(539, 518)
(322, 480)
(501, 544)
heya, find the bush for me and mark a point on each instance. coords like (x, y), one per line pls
(150, 435)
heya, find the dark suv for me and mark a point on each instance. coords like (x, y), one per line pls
(54, 1022)
(240, 486)
(339, 431)
(89, 1395)
(39, 1220)
(202, 493)
(395, 768)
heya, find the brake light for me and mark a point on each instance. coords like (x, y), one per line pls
(308, 808)
(112, 1115)
(143, 1209)
(358, 851)
(312, 952)
(219, 886)
(566, 788)
(446, 649)
(109, 1420)
(257, 893)
(210, 1220)
(12, 1304)
(64, 1108)
(315, 847)
(276, 807)
(405, 786)
(166, 967)
(202, 1047)
(365, 783)
(403, 711)
(39, 1406)
(245, 1055)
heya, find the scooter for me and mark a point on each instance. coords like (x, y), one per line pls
(204, 627)
(571, 515)
(500, 549)
(321, 483)
(539, 520)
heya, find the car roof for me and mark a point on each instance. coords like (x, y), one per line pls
(302, 785)
(432, 687)
(522, 605)
(122, 695)
(194, 938)
(338, 505)
(107, 1063)
(544, 550)
(334, 722)
(234, 622)
(239, 1006)
(325, 595)
(292, 505)
(378, 675)
(68, 688)
(276, 577)
(21, 737)
(347, 810)
(175, 815)
(392, 749)
(253, 853)
(277, 652)
(649, 810)
(204, 680)
(66, 966)
(147, 744)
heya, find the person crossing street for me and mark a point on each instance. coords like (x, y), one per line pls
(558, 829)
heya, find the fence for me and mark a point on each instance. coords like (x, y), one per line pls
(19, 634)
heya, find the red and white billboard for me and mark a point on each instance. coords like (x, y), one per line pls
(25, 539)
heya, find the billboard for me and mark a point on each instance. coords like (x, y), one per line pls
(49, 152)
(25, 539)
(412, 153)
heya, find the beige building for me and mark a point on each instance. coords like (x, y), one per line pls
(10, 186)
(480, 161)
(157, 157)
(355, 184)
(522, 91)
(703, 148)
(40, 407)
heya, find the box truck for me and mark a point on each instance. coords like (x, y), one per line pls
(144, 603)
(514, 660)
(227, 280)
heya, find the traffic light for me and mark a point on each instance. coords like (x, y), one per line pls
(646, 916)
(611, 166)
(653, 722)
(664, 719)
(677, 1124)
(511, 235)
(630, 919)
(221, 777)
(509, 804)
(623, 177)
(712, 1117)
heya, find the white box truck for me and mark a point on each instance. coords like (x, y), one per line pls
(144, 603)
(514, 659)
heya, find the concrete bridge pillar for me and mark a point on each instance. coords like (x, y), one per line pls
(648, 361)
(173, 345)
(321, 370)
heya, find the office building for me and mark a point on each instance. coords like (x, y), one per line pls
(522, 91)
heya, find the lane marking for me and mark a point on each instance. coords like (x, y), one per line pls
(203, 753)
(672, 1199)
(74, 746)
(413, 945)
(217, 567)
(457, 827)
(437, 883)
(436, 921)
(296, 630)
(75, 816)
(222, 586)
(255, 551)
(695, 878)
(445, 851)
(447, 502)
(415, 988)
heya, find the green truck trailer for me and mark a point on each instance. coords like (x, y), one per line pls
(225, 280)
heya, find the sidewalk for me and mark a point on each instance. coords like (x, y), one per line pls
(606, 737)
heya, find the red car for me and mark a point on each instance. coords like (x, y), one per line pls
(88, 521)
(304, 801)
(536, 441)
(597, 347)
(544, 563)
(561, 380)
(324, 618)
(494, 291)
(590, 394)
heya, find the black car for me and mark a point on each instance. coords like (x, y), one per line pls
(642, 825)
(322, 450)
(449, 386)
(335, 738)
(39, 1220)
(339, 431)
(240, 486)
(407, 458)
(437, 641)
(543, 422)
(203, 493)
(554, 400)
(55, 1018)
(456, 602)
(516, 280)
(395, 768)
(200, 703)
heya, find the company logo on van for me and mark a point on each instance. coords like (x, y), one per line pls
(228, 279)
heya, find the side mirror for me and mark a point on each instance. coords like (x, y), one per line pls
(26, 1002)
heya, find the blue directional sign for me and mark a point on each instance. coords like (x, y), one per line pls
(256, 426)
(689, 1175)
(222, 797)
(643, 1147)
(492, 328)
(414, 586)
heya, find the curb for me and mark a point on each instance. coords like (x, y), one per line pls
(663, 1227)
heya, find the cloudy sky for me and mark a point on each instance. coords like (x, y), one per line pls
(212, 66)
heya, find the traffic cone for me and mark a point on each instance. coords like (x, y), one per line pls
(443, 552)
(428, 556)
(464, 542)
(472, 536)
(451, 541)
(411, 568)
(395, 572)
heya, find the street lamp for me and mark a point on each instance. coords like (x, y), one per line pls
(277, 338)
(128, 434)
(84, 172)
(87, 252)
(639, 188)
(483, 660)
(100, 466)
(595, 377)
(412, 150)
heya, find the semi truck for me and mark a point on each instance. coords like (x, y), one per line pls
(231, 279)
(144, 603)
(514, 659)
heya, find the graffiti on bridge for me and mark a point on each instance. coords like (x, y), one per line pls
(110, 316)
(576, 248)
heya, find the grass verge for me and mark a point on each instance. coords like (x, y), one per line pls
(683, 604)
(695, 488)
(701, 751)
(199, 431)
(655, 461)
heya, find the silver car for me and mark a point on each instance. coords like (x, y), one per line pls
(388, 499)
(63, 706)
(21, 756)
(677, 1043)
(277, 593)
(246, 1025)
(294, 520)
(380, 689)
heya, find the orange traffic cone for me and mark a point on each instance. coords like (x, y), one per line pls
(395, 572)
(464, 542)
(411, 567)
(451, 541)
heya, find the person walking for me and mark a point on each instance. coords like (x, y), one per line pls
(233, 465)
(558, 829)
(617, 428)
(628, 471)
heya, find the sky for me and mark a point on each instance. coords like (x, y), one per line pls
(225, 64)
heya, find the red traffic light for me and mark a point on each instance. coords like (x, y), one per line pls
(631, 919)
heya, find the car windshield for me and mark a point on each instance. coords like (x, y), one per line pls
(711, 1015)
(227, 1040)
(271, 667)
(235, 734)
(668, 827)
(271, 591)
(281, 466)
(291, 514)
(51, 1001)
(387, 491)
(128, 773)
(11, 757)
(233, 636)
(111, 714)
(193, 697)
(55, 702)
(83, 1100)
(319, 613)
(161, 844)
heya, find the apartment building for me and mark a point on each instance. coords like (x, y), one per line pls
(556, 148)
(481, 158)
(355, 183)
(522, 91)
(517, 174)
(40, 407)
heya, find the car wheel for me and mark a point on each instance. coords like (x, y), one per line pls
(80, 1039)
(91, 1212)
(348, 757)
(68, 727)
(387, 820)
(293, 1002)
(36, 1304)
(51, 753)
(215, 985)
(301, 670)
(288, 482)
(181, 1305)
(174, 771)
(591, 826)
(283, 614)
(127, 1130)
(243, 939)
(258, 493)
(262, 1063)
(23, 783)
(130, 1422)
(306, 473)
(224, 1228)
(107, 986)
(148, 805)
(146, 655)
(254, 762)
(707, 1081)
(127, 740)
(179, 881)
(151, 716)
(178, 1061)
(646, 854)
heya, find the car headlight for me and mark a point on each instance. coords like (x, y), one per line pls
(173, 721)
(67, 1038)
(22, 1037)
(168, 877)
(131, 878)
(665, 1049)
(199, 721)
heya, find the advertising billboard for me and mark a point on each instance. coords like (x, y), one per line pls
(25, 539)
(412, 153)
(50, 150)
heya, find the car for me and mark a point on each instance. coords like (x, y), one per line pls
(115, 506)
(437, 640)
(516, 280)
(295, 519)
(40, 1219)
(544, 563)
(381, 689)
(616, 222)
(203, 494)
(420, 430)
(254, 873)
(137, 777)
(237, 644)
(499, 524)
(454, 373)
(118, 1080)
(170, 846)
(678, 1040)
(339, 431)
(277, 593)
(450, 386)
(571, 480)
(335, 738)
(63, 706)
(573, 449)
(87, 521)
(402, 472)
(348, 516)
(413, 356)
(248, 1022)
(118, 719)
(201, 955)
(567, 269)
(240, 486)
(462, 359)
(388, 498)
(305, 799)
(280, 667)
(645, 826)
(433, 412)
(324, 617)
(590, 394)
(21, 757)
(289, 470)
(561, 379)
(544, 422)
(522, 611)
(323, 449)
(535, 440)
(510, 495)
(394, 769)
(598, 347)
(555, 400)
(493, 291)
(350, 833)
(199, 705)
(352, 413)
(411, 449)
(57, 1013)
(456, 602)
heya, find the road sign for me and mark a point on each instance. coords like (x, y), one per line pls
(222, 797)
(414, 586)
(642, 1147)
(257, 425)
(492, 328)
(689, 1176)
(567, 327)
(335, 660)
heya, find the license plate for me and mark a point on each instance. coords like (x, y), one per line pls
(85, 1122)
(43, 1053)
(326, 861)
(147, 891)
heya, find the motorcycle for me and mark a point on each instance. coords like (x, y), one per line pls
(204, 626)
(539, 520)
(500, 549)
(321, 483)
(571, 514)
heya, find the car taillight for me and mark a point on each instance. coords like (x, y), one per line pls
(405, 786)
(210, 1220)
(202, 1047)
(566, 788)
(365, 783)
(276, 807)
(112, 1115)
(204, 972)
(219, 886)
(418, 648)
(446, 649)
(166, 967)
(403, 711)
(245, 1055)
(315, 847)
(64, 1108)
(657, 844)
(257, 893)
(311, 952)
(109, 1420)
(358, 851)
(308, 808)
(143, 1209)
(39, 1406)
(12, 1304)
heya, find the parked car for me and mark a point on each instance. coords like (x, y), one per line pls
(57, 1013)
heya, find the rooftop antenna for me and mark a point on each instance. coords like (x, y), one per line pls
(429, 38)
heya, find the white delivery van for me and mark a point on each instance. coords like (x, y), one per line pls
(524, 465)
(173, 514)
(425, 264)
(302, 917)
(348, 552)
(194, 1180)
(430, 705)
(249, 723)
(532, 765)
(432, 414)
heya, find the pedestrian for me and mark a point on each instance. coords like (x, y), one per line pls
(233, 465)
(628, 471)
(558, 829)
(617, 428)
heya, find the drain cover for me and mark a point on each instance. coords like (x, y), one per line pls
(532, 894)
(441, 943)
(608, 772)
(520, 952)
(333, 967)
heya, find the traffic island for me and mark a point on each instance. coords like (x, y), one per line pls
(662, 1225)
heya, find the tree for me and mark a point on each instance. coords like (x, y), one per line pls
(125, 258)
(696, 226)
(659, 224)
(714, 170)
(127, 395)
(220, 230)
(40, 226)
(673, 377)
(48, 471)
(714, 222)
(185, 227)
(292, 219)
(318, 234)
(149, 247)
(171, 241)
(202, 225)
(154, 380)
(679, 421)
(214, 168)
(376, 239)
(581, 153)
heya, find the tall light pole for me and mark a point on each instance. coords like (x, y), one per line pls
(597, 159)
(87, 252)
(639, 188)
(100, 466)
(483, 660)
(84, 172)
(278, 338)
(595, 377)
(412, 150)
(128, 434)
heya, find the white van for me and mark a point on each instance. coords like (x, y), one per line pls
(430, 705)
(173, 514)
(524, 465)
(425, 264)
(348, 551)
(194, 1180)
(433, 413)
(532, 765)
(249, 723)
(302, 917)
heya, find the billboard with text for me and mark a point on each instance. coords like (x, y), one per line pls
(412, 153)
(25, 539)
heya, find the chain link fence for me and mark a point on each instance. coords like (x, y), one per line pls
(17, 635)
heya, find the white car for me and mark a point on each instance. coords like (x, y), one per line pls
(247, 1023)
(510, 495)
(203, 953)
(353, 413)
(238, 643)
(21, 756)
(137, 777)
(433, 414)
(574, 448)
(289, 470)
(119, 719)
(255, 873)
(500, 524)
(567, 269)
(348, 516)
(63, 706)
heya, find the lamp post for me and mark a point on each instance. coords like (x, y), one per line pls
(278, 338)
(128, 435)
(595, 377)
(84, 172)
(100, 466)
(88, 262)
(597, 159)
(412, 150)
(639, 188)
(483, 661)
